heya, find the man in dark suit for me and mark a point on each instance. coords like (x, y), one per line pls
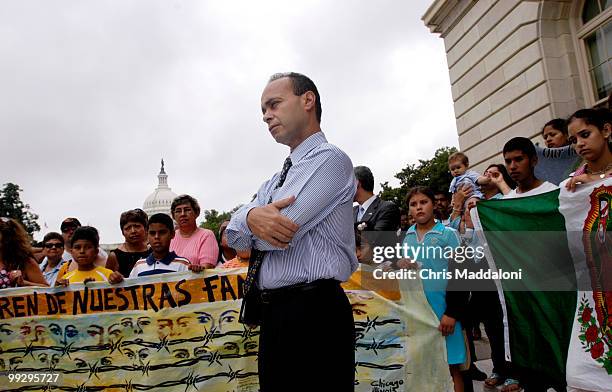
(377, 214)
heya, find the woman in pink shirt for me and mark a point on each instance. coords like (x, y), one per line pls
(197, 245)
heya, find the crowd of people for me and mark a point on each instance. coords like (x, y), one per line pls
(75, 255)
(577, 152)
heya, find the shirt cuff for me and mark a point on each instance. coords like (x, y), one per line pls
(239, 236)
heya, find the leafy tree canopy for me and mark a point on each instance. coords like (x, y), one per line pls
(11, 206)
(214, 218)
(432, 173)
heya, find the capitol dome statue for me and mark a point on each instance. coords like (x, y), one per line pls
(161, 199)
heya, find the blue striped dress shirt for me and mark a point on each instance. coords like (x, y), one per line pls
(323, 183)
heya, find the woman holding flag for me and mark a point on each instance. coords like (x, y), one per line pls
(588, 364)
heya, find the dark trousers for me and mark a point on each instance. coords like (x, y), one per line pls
(535, 381)
(488, 309)
(307, 341)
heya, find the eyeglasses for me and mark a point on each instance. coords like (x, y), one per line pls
(69, 228)
(51, 245)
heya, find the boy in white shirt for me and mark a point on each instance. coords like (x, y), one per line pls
(521, 158)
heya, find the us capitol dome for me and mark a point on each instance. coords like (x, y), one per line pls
(161, 198)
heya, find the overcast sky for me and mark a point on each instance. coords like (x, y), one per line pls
(94, 93)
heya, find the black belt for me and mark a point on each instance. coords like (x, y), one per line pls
(289, 292)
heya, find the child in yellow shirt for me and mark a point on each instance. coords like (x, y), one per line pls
(85, 242)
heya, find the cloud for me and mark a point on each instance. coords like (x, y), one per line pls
(95, 93)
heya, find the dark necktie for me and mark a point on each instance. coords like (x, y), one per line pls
(257, 255)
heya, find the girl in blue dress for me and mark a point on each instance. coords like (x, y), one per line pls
(431, 237)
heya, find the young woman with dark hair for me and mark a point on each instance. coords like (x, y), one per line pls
(590, 131)
(448, 306)
(17, 266)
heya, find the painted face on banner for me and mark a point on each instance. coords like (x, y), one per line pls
(228, 321)
(96, 333)
(238, 348)
(129, 327)
(64, 334)
(44, 358)
(5, 332)
(34, 333)
(181, 353)
(165, 328)
(186, 326)
(206, 321)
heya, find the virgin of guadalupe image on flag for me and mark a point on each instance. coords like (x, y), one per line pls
(558, 318)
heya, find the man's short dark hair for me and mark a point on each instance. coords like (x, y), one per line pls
(87, 233)
(365, 177)
(185, 199)
(441, 192)
(520, 144)
(53, 236)
(301, 84)
(70, 223)
(136, 215)
(161, 219)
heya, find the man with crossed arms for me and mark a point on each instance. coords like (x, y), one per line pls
(301, 226)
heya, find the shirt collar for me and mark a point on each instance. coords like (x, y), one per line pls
(66, 256)
(437, 228)
(366, 204)
(304, 148)
(43, 264)
(166, 260)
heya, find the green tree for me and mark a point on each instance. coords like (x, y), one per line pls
(432, 173)
(214, 218)
(11, 206)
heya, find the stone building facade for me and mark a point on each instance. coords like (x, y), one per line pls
(516, 64)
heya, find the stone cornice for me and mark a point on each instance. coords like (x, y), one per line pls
(439, 16)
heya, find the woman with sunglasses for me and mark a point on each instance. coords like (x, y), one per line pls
(17, 267)
(53, 248)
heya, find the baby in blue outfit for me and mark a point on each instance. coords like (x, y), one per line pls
(458, 164)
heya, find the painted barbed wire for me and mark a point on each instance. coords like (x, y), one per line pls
(190, 381)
